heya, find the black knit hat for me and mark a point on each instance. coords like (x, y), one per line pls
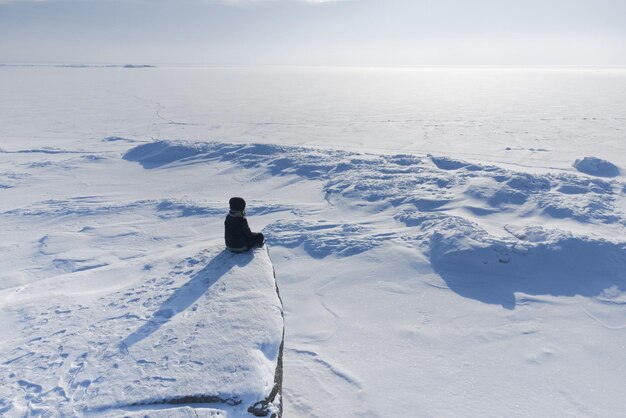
(237, 204)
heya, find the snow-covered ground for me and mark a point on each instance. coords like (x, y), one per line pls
(438, 249)
(118, 306)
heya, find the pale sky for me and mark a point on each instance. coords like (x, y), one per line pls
(299, 32)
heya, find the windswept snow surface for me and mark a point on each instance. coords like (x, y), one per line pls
(117, 303)
(436, 256)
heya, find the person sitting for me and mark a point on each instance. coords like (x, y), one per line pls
(237, 234)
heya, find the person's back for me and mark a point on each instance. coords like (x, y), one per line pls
(237, 234)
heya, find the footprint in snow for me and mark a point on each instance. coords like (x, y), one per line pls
(29, 386)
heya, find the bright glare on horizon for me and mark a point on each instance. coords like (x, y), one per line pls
(314, 32)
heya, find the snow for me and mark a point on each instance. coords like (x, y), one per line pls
(596, 167)
(114, 302)
(209, 331)
(436, 252)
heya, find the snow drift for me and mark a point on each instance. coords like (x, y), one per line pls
(535, 261)
(443, 203)
(596, 167)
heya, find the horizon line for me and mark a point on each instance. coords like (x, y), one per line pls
(355, 66)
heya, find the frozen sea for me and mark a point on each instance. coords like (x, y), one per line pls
(523, 116)
(437, 251)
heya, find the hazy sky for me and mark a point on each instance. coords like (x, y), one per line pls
(348, 32)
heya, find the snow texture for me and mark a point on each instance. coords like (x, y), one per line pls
(425, 190)
(208, 332)
(424, 184)
(436, 251)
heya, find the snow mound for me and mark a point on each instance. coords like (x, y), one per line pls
(160, 153)
(596, 167)
(447, 163)
(209, 332)
(535, 261)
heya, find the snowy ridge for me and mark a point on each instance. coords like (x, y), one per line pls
(444, 203)
(534, 261)
(427, 184)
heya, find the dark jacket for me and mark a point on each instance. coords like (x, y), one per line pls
(237, 233)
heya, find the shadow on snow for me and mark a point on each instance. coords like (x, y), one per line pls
(188, 294)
